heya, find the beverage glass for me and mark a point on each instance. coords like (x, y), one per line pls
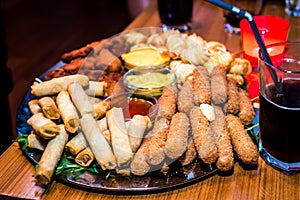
(292, 7)
(279, 111)
(272, 29)
(176, 14)
(232, 20)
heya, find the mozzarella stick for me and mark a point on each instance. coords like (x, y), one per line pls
(51, 157)
(225, 160)
(49, 108)
(190, 153)
(208, 151)
(167, 102)
(246, 113)
(139, 165)
(136, 128)
(34, 106)
(97, 89)
(36, 142)
(186, 97)
(201, 88)
(55, 85)
(218, 85)
(80, 99)
(97, 142)
(68, 111)
(242, 143)
(43, 126)
(232, 105)
(176, 143)
(119, 136)
(85, 157)
(76, 144)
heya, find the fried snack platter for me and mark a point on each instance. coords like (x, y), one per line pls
(191, 112)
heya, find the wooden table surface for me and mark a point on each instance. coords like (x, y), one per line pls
(262, 183)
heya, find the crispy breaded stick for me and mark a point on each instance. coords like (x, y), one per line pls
(242, 143)
(176, 143)
(167, 102)
(139, 165)
(233, 105)
(246, 113)
(185, 100)
(208, 151)
(190, 153)
(201, 88)
(218, 84)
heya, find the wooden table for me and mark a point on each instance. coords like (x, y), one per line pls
(263, 183)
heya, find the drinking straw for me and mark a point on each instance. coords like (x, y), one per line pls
(254, 28)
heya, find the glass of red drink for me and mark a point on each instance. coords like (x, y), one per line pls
(175, 14)
(279, 112)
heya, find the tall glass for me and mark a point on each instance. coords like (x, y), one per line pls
(292, 7)
(280, 108)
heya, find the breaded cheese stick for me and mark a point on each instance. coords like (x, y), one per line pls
(225, 160)
(218, 85)
(242, 143)
(185, 100)
(246, 113)
(201, 88)
(167, 102)
(208, 151)
(232, 105)
(190, 153)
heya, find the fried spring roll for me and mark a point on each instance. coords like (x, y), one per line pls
(34, 106)
(76, 144)
(242, 143)
(102, 123)
(119, 136)
(85, 157)
(218, 84)
(49, 108)
(55, 85)
(232, 105)
(167, 102)
(80, 99)
(136, 128)
(186, 97)
(201, 88)
(176, 143)
(97, 89)
(43, 126)
(97, 142)
(36, 142)
(51, 156)
(246, 113)
(101, 108)
(68, 111)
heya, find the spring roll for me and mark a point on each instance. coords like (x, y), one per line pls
(76, 144)
(55, 85)
(43, 126)
(34, 106)
(80, 99)
(97, 89)
(136, 129)
(85, 157)
(68, 111)
(102, 123)
(51, 157)
(119, 136)
(49, 108)
(101, 108)
(36, 142)
(97, 142)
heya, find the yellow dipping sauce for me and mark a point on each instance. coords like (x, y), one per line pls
(150, 80)
(144, 56)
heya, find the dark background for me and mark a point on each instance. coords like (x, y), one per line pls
(34, 34)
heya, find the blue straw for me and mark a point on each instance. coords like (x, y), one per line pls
(254, 28)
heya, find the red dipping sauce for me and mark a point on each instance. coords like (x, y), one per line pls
(139, 107)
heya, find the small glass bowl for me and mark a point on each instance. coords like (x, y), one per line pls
(148, 79)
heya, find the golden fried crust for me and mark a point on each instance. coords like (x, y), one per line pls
(246, 113)
(242, 143)
(218, 84)
(176, 143)
(233, 105)
(208, 151)
(201, 88)
(190, 153)
(225, 160)
(167, 102)
(185, 97)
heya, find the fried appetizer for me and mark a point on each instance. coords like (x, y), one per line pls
(80, 99)
(43, 126)
(68, 111)
(51, 157)
(76, 144)
(233, 105)
(102, 123)
(55, 85)
(201, 88)
(167, 102)
(136, 128)
(139, 165)
(176, 143)
(36, 142)
(97, 142)
(246, 113)
(225, 160)
(119, 136)
(190, 153)
(186, 97)
(34, 106)
(49, 108)
(242, 143)
(208, 151)
(100, 109)
(85, 157)
(97, 89)
(218, 84)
